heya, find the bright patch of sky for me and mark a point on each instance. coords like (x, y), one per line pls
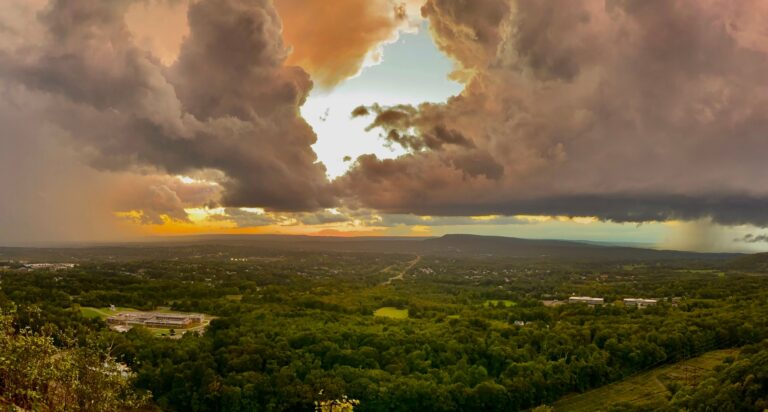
(412, 71)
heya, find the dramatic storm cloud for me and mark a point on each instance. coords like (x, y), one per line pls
(750, 238)
(171, 111)
(229, 103)
(625, 110)
(332, 40)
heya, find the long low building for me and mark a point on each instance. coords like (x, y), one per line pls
(586, 299)
(640, 303)
(49, 266)
(156, 319)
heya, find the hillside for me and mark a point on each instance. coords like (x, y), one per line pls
(534, 248)
(648, 390)
(757, 262)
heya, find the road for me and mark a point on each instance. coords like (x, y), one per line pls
(401, 274)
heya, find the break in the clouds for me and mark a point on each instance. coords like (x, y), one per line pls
(625, 110)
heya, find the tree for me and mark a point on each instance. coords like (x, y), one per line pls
(37, 375)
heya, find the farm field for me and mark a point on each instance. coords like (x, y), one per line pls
(103, 313)
(496, 302)
(392, 313)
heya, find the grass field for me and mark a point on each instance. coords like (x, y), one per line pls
(647, 389)
(495, 302)
(91, 312)
(103, 313)
(392, 313)
(160, 332)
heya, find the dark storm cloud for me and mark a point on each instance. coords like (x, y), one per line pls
(414, 220)
(398, 124)
(360, 111)
(158, 198)
(629, 110)
(248, 218)
(624, 110)
(229, 103)
(750, 238)
(468, 31)
(243, 218)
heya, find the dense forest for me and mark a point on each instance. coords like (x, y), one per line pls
(401, 332)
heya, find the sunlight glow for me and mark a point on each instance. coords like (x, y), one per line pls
(411, 71)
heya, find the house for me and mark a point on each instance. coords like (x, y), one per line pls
(586, 299)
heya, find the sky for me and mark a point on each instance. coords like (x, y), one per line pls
(633, 121)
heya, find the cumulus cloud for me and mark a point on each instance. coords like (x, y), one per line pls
(248, 217)
(153, 199)
(414, 220)
(626, 110)
(229, 103)
(333, 41)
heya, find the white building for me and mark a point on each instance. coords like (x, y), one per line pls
(156, 320)
(50, 266)
(640, 303)
(586, 299)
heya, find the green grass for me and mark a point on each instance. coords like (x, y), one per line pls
(90, 313)
(496, 302)
(235, 298)
(103, 313)
(392, 313)
(160, 332)
(648, 389)
(164, 332)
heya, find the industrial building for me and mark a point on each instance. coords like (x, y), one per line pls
(640, 303)
(586, 299)
(49, 266)
(155, 319)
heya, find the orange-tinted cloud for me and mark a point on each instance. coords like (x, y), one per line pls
(159, 26)
(331, 40)
(627, 110)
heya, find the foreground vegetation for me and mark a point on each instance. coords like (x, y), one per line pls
(447, 334)
(37, 375)
(648, 390)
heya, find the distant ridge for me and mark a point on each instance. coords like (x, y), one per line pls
(756, 262)
(448, 245)
(542, 248)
